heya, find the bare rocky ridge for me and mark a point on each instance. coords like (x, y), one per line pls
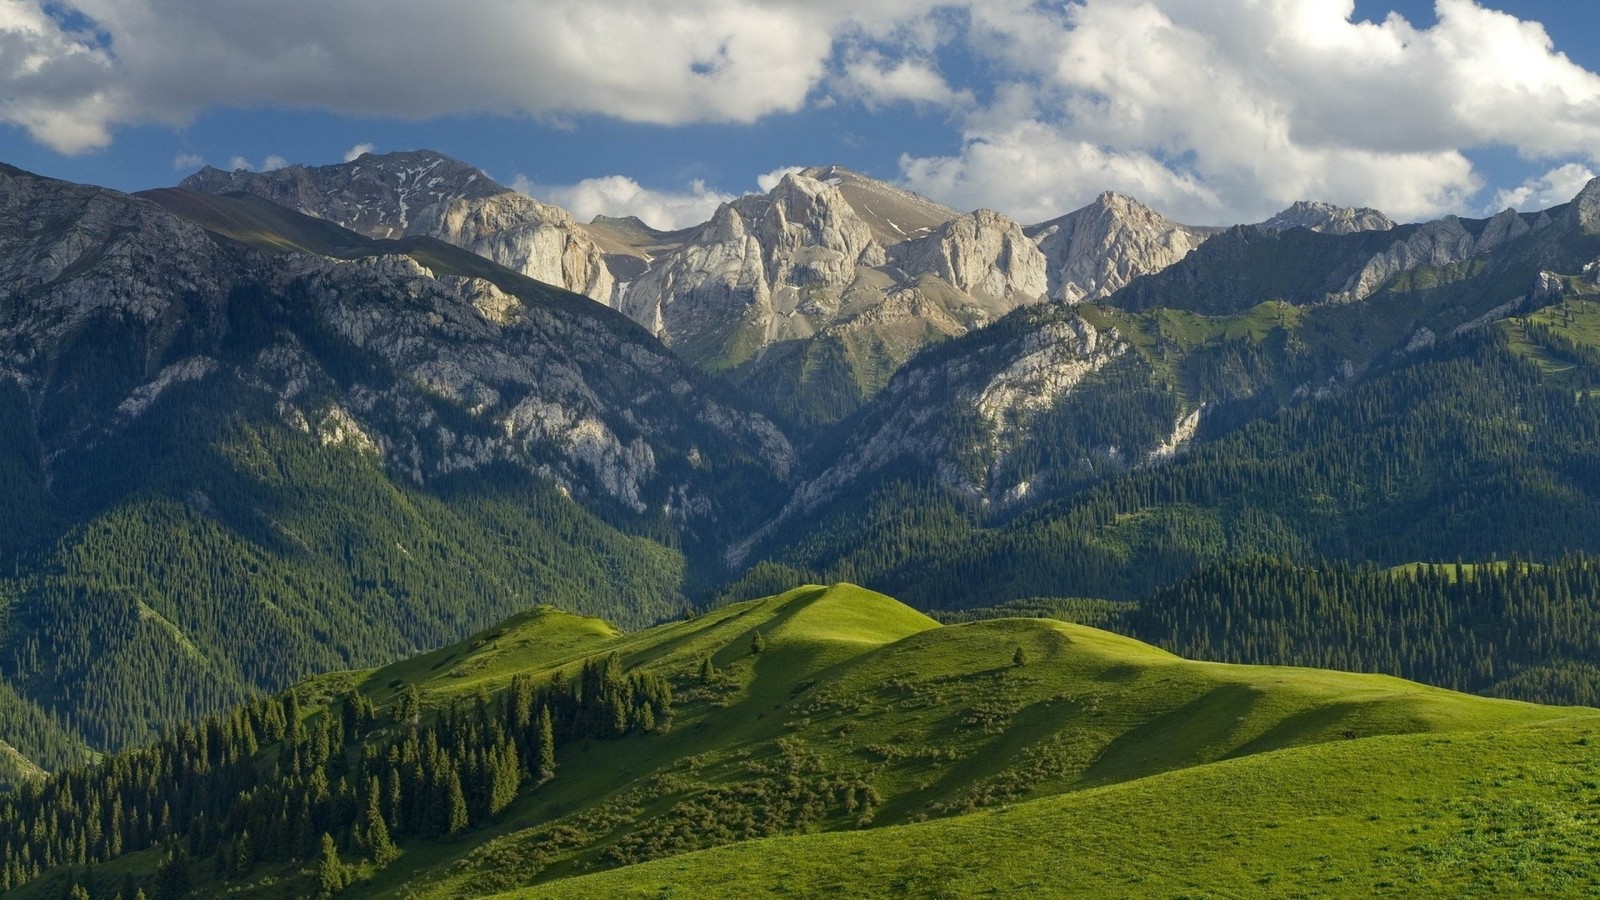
(1094, 251)
(982, 253)
(893, 214)
(112, 300)
(1328, 218)
(425, 193)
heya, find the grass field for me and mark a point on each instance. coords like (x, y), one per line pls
(1490, 814)
(867, 750)
(933, 724)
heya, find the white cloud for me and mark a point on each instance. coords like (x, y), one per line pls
(355, 153)
(1553, 188)
(618, 195)
(1226, 109)
(639, 60)
(272, 163)
(769, 180)
(1236, 108)
(1033, 171)
(187, 162)
(878, 81)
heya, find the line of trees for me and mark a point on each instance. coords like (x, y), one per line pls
(273, 782)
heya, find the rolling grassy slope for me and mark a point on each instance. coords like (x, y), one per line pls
(862, 712)
(1499, 813)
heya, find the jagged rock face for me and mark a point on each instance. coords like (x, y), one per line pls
(98, 294)
(1329, 219)
(1098, 249)
(894, 215)
(108, 301)
(961, 415)
(1584, 211)
(795, 250)
(982, 252)
(1439, 243)
(425, 193)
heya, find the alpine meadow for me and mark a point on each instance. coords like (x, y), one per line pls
(385, 528)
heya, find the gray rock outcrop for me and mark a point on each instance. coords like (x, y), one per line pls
(1095, 250)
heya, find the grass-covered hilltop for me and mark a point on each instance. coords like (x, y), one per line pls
(822, 741)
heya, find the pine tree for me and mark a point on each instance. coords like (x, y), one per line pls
(708, 671)
(454, 808)
(547, 745)
(409, 707)
(330, 872)
(374, 830)
(758, 643)
(1020, 657)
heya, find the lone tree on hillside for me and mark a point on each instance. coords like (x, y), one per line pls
(1020, 657)
(758, 643)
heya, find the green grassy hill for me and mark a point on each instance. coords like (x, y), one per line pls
(1501, 813)
(859, 712)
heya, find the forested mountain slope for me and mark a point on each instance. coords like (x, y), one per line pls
(234, 457)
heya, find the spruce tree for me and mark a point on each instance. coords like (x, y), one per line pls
(374, 830)
(758, 643)
(330, 872)
(454, 809)
(547, 745)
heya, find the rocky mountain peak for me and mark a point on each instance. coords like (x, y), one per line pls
(422, 192)
(982, 253)
(375, 195)
(803, 213)
(1096, 250)
(1584, 210)
(894, 214)
(1328, 218)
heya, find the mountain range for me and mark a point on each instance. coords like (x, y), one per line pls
(261, 427)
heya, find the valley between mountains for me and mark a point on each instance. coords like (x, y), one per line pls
(375, 529)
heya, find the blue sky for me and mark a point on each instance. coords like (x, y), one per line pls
(1210, 110)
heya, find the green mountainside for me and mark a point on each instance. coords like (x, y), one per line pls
(1466, 450)
(822, 709)
(227, 466)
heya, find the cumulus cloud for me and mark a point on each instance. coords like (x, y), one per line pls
(769, 180)
(878, 80)
(1553, 188)
(355, 153)
(639, 60)
(272, 163)
(619, 195)
(1230, 109)
(187, 162)
(1226, 110)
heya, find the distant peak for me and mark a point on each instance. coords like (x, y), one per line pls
(824, 173)
(1328, 218)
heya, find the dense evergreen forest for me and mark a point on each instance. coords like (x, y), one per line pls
(1515, 629)
(250, 558)
(273, 781)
